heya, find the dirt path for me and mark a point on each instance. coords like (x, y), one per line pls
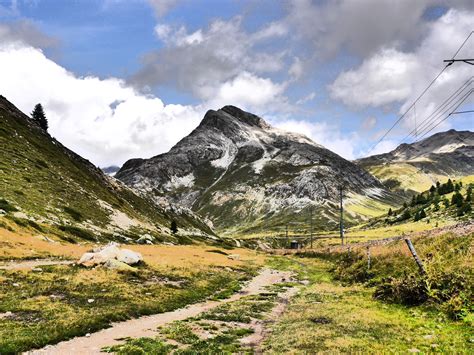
(261, 327)
(146, 326)
(30, 264)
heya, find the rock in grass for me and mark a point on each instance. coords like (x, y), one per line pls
(118, 265)
(103, 256)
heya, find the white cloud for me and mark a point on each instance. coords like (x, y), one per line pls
(382, 79)
(200, 62)
(296, 69)
(358, 26)
(324, 134)
(249, 92)
(102, 120)
(391, 75)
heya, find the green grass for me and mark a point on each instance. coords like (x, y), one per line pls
(224, 338)
(329, 317)
(45, 180)
(52, 305)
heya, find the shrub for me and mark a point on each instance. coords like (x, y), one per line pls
(76, 215)
(410, 290)
(6, 206)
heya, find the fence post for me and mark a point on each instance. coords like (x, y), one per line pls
(415, 255)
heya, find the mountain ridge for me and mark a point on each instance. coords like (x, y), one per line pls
(417, 166)
(235, 163)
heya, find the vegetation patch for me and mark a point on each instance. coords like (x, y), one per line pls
(329, 317)
(59, 298)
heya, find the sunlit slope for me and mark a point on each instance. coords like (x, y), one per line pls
(415, 167)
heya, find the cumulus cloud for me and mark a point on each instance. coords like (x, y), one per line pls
(358, 26)
(393, 76)
(200, 62)
(103, 120)
(383, 78)
(324, 134)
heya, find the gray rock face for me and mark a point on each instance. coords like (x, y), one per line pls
(235, 168)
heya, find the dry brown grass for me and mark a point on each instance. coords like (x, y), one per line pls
(23, 244)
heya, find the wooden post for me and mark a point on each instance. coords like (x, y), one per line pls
(368, 257)
(415, 255)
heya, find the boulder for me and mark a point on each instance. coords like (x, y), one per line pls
(129, 257)
(146, 239)
(104, 255)
(118, 265)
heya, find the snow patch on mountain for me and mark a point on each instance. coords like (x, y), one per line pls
(180, 181)
(227, 158)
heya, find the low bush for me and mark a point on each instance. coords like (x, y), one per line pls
(447, 284)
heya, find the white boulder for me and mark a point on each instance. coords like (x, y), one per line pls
(102, 256)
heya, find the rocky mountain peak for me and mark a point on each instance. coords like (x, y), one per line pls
(230, 118)
(236, 168)
(245, 117)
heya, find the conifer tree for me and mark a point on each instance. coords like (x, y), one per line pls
(39, 117)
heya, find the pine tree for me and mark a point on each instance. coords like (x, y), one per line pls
(174, 227)
(457, 199)
(389, 212)
(469, 194)
(432, 190)
(449, 186)
(39, 117)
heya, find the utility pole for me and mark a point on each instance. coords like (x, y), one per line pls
(341, 220)
(311, 226)
(465, 60)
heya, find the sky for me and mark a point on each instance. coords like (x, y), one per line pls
(122, 79)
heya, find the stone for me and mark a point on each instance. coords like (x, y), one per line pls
(103, 255)
(114, 264)
(233, 257)
(146, 239)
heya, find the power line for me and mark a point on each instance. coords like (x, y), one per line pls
(444, 108)
(439, 110)
(444, 119)
(421, 95)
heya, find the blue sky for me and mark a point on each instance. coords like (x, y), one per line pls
(140, 74)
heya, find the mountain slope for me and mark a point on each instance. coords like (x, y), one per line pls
(242, 174)
(47, 187)
(419, 165)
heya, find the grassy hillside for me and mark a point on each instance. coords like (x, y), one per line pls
(49, 189)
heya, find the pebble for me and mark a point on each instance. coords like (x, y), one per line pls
(88, 335)
(90, 300)
(16, 285)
